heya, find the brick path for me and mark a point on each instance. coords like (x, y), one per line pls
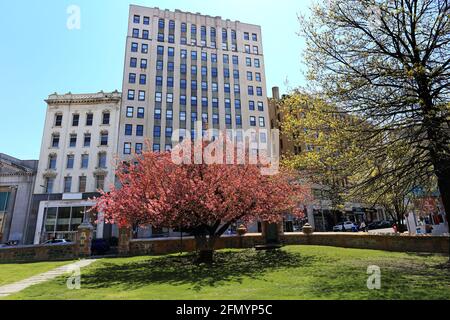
(12, 288)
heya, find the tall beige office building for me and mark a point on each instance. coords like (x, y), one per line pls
(181, 68)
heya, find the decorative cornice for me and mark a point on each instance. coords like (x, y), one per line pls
(88, 98)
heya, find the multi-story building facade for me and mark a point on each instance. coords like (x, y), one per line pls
(77, 159)
(320, 212)
(181, 68)
(17, 178)
(184, 71)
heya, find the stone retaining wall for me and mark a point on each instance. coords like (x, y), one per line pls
(50, 252)
(346, 240)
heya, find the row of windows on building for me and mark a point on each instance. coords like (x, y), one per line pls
(193, 34)
(183, 66)
(84, 161)
(68, 184)
(194, 56)
(106, 118)
(132, 78)
(128, 146)
(74, 138)
(139, 129)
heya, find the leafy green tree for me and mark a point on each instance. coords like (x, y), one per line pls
(386, 64)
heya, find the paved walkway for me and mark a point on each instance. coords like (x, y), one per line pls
(43, 277)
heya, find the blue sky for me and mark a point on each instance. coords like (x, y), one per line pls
(39, 55)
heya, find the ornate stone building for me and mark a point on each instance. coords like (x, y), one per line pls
(77, 159)
(17, 179)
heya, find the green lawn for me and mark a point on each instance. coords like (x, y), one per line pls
(295, 272)
(10, 273)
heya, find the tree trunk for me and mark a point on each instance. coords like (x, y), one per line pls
(205, 248)
(444, 189)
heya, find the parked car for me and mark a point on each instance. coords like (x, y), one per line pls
(345, 226)
(384, 224)
(56, 241)
(100, 247)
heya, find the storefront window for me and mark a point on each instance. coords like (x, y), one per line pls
(4, 196)
(63, 222)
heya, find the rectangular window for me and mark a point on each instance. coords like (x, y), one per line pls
(170, 82)
(215, 102)
(170, 66)
(248, 62)
(131, 94)
(145, 34)
(255, 50)
(130, 112)
(87, 140)
(134, 47)
(247, 48)
(104, 139)
(193, 101)
(259, 92)
(213, 58)
(157, 132)
(128, 129)
(67, 184)
(237, 88)
(258, 76)
(226, 59)
(238, 120)
(84, 161)
(157, 115)
(161, 23)
(70, 161)
(194, 70)
(132, 78)
(100, 182)
(143, 63)
(106, 118)
(235, 74)
(249, 76)
(235, 60)
(226, 73)
(260, 106)
(183, 68)
(141, 95)
(139, 130)
(237, 103)
(144, 48)
(140, 113)
(75, 120)
(215, 87)
(159, 81)
(159, 65)
(251, 105)
(171, 25)
(204, 102)
(169, 114)
(73, 141)
(214, 72)
(137, 19)
(204, 56)
(139, 148)
(133, 62)
(254, 37)
(246, 36)
(215, 119)
(135, 33)
(227, 88)
(183, 100)
(228, 119)
(146, 21)
(58, 120)
(204, 86)
(156, 147)
(253, 121)
(257, 63)
(204, 71)
(102, 160)
(82, 184)
(127, 148)
(143, 79)
(160, 50)
(52, 162)
(262, 122)
(182, 116)
(169, 98)
(89, 119)
(250, 91)
(171, 51)
(171, 38)
(160, 37)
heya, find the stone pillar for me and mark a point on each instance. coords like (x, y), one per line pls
(124, 241)
(84, 239)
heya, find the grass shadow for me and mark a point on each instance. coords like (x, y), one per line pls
(229, 266)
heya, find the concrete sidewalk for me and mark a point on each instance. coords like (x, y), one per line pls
(12, 288)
